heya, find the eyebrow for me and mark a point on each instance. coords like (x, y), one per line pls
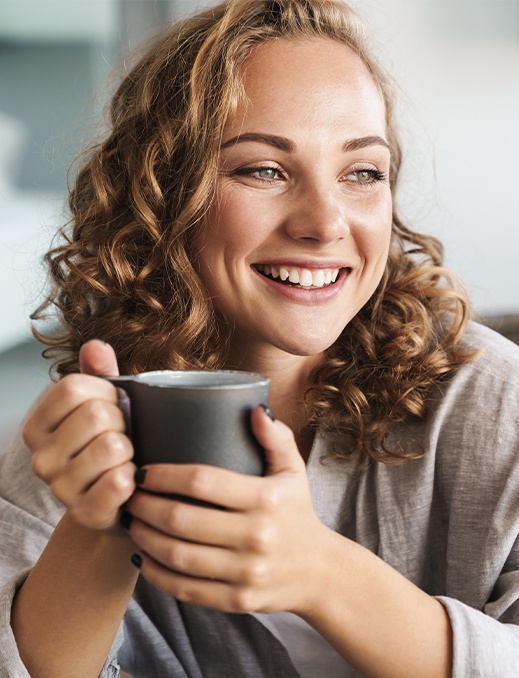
(285, 144)
(362, 142)
(282, 143)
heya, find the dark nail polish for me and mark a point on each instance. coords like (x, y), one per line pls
(140, 476)
(126, 521)
(268, 412)
(137, 561)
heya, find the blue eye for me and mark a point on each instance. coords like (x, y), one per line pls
(366, 176)
(267, 173)
(261, 173)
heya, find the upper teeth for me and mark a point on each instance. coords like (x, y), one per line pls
(301, 276)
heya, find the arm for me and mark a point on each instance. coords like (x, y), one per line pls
(66, 614)
(269, 552)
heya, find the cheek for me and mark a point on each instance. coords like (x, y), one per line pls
(232, 224)
(375, 236)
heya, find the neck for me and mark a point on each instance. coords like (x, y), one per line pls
(289, 379)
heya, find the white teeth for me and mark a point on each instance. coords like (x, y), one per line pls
(294, 276)
(318, 280)
(304, 277)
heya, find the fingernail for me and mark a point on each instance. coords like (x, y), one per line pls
(268, 412)
(137, 561)
(140, 476)
(126, 520)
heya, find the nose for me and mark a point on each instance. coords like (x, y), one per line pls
(317, 214)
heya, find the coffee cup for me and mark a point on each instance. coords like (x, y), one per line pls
(195, 417)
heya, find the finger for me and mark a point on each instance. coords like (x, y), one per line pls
(88, 421)
(206, 592)
(210, 484)
(185, 557)
(107, 451)
(189, 522)
(85, 424)
(99, 508)
(98, 358)
(61, 401)
(278, 441)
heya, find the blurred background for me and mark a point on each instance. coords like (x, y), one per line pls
(456, 63)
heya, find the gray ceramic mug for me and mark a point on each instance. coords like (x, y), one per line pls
(195, 418)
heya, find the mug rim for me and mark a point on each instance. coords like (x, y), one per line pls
(209, 380)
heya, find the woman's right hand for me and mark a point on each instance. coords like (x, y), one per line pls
(78, 442)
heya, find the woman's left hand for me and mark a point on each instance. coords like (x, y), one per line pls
(252, 556)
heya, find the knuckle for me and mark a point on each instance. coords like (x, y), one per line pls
(200, 481)
(256, 573)
(285, 433)
(96, 414)
(119, 482)
(260, 538)
(72, 386)
(176, 558)
(269, 499)
(175, 518)
(243, 600)
(112, 448)
(41, 467)
(28, 433)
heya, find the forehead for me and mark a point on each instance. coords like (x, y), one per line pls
(315, 80)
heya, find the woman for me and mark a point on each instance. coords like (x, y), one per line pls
(240, 215)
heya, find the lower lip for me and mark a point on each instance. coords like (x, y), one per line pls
(314, 295)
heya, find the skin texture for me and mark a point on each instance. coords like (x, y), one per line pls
(308, 205)
(306, 202)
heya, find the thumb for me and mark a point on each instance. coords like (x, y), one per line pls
(98, 359)
(278, 441)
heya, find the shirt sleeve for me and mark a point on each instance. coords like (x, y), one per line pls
(483, 646)
(10, 662)
(28, 515)
(481, 478)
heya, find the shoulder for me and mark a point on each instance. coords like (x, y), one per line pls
(498, 355)
(474, 419)
(493, 370)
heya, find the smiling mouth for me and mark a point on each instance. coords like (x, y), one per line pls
(303, 278)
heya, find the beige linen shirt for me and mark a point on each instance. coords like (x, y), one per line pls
(449, 522)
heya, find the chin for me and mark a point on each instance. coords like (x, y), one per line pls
(306, 346)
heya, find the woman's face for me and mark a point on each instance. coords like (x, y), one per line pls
(297, 240)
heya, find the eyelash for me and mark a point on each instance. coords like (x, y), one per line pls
(250, 171)
(376, 175)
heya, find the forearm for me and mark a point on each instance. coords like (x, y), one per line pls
(381, 623)
(66, 614)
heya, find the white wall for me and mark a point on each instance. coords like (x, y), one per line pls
(457, 65)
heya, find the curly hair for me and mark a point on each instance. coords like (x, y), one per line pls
(125, 270)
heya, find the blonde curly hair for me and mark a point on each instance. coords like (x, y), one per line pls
(125, 273)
